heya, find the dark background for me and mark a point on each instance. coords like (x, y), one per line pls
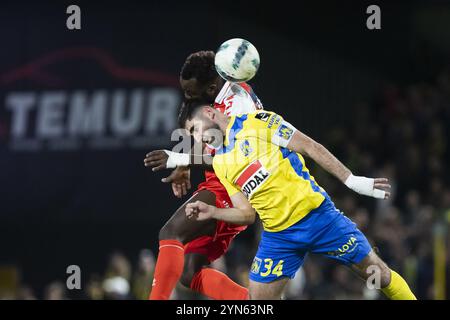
(318, 63)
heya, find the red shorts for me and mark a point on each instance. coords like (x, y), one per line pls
(215, 246)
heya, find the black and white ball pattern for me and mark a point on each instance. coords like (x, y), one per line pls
(237, 60)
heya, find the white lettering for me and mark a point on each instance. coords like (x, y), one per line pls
(50, 115)
(20, 105)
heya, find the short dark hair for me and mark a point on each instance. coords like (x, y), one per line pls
(200, 65)
(188, 109)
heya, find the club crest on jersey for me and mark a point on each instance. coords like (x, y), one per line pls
(246, 148)
(285, 132)
(252, 178)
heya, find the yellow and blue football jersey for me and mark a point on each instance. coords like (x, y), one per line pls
(254, 160)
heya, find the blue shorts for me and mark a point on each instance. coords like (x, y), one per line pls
(324, 230)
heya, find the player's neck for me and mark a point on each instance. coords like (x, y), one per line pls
(223, 123)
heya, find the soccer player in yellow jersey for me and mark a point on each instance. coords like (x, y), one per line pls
(260, 163)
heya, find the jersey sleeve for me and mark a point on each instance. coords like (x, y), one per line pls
(220, 173)
(272, 127)
(235, 99)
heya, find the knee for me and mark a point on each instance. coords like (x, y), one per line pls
(385, 276)
(266, 291)
(252, 295)
(383, 271)
(187, 276)
(256, 295)
(186, 279)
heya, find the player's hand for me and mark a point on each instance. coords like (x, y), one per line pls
(377, 188)
(162, 159)
(199, 211)
(384, 185)
(180, 178)
(157, 160)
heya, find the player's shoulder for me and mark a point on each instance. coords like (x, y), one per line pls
(263, 116)
(231, 89)
(225, 92)
(243, 124)
(260, 120)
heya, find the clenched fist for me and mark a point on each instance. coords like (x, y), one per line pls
(200, 211)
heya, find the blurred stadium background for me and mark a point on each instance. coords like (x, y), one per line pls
(79, 110)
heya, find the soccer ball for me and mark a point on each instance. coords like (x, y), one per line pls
(237, 60)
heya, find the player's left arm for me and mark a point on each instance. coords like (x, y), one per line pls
(288, 136)
(166, 159)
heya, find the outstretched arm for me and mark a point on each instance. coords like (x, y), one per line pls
(241, 214)
(301, 143)
(285, 135)
(181, 163)
(166, 159)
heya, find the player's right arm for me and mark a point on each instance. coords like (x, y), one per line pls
(181, 163)
(241, 214)
(166, 159)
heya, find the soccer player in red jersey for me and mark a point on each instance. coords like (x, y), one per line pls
(187, 247)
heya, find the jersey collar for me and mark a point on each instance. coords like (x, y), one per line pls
(234, 126)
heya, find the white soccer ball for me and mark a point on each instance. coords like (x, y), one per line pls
(237, 60)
